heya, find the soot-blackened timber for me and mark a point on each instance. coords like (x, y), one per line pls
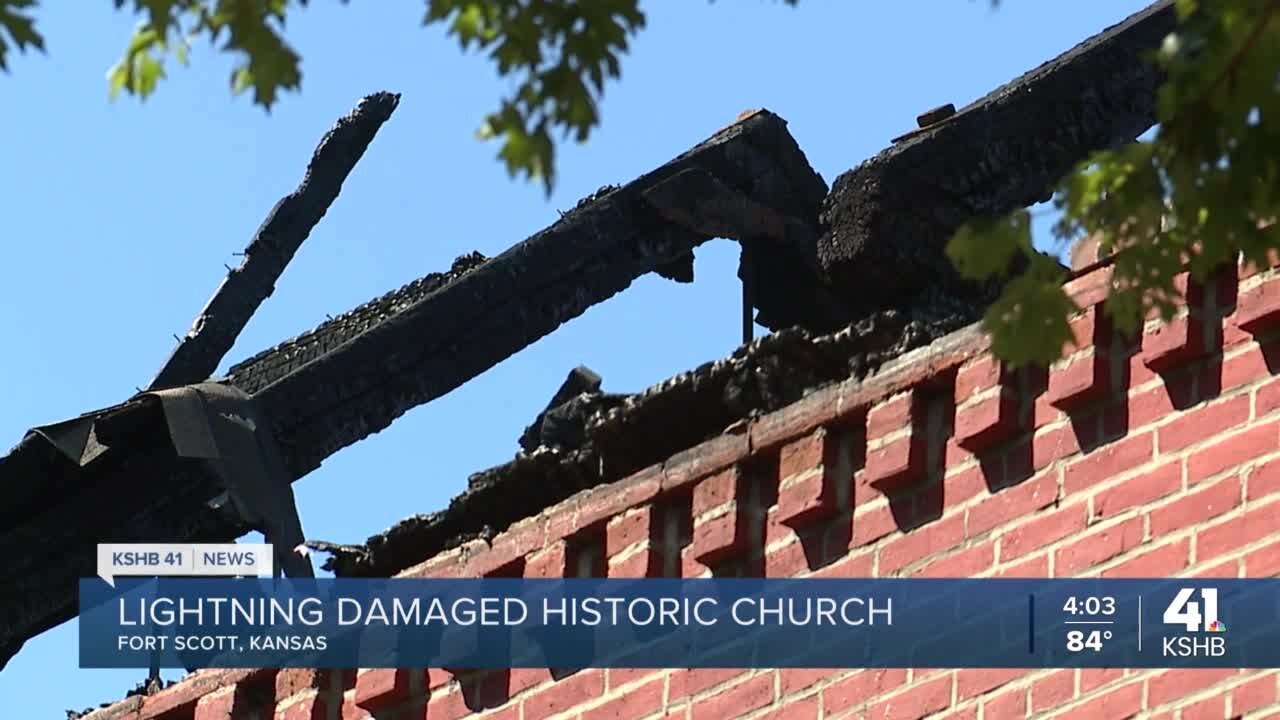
(355, 375)
(1005, 151)
(885, 219)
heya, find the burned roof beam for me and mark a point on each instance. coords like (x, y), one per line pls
(260, 370)
(1106, 74)
(1005, 151)
(780, 272)
(504, 305)
(274, 244)
(146, 495)
(355, 384)
(229, 310)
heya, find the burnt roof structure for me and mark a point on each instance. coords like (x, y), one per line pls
(846, 278)
(1005, 151)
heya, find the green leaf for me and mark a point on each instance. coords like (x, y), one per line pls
(161, 14)
(1029, 324)
(269, 64)
(266, 64)
(986, 247)
(140, 70)
(19, 27)
(559, 53)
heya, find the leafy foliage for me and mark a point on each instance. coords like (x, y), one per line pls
(19, 27)
(1032, 304)
(1204, 189)
(252, 29)
(561, 51)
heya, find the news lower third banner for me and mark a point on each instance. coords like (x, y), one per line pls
(652, 623)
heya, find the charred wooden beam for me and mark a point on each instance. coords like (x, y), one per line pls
(502, 306)
(260, 370)
(547, 428)
(55, 522)
(780, 272)
(1005, 151)
(274, 244)
(367, 368)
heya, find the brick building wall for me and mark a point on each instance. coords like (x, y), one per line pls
(1155, 456)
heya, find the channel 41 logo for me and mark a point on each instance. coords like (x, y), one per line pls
(1195, 616)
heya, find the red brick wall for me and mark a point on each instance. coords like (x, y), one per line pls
(1150, 457)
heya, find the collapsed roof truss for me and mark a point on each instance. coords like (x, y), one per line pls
(882, 225)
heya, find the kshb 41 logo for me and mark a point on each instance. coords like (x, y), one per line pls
(1195, 616)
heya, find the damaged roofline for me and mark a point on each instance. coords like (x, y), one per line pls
(715, 399)
(467, 321)
(882, 226)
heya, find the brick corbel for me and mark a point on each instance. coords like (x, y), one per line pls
(1258, 308)
(384, 689)
(720, 520)
(1085, 375)
(894, 448)
(1196, 333)
(815, 475)
(986, 398)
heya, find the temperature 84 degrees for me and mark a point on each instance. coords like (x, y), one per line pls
(1089, 620)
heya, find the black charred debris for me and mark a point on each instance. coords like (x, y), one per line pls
(847, 277)
(590, 438)
(880, 260)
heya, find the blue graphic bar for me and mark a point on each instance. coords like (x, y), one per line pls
(655, 623)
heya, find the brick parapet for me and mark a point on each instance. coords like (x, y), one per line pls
(1157, 455)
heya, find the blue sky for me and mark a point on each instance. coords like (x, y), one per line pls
(116, 218)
